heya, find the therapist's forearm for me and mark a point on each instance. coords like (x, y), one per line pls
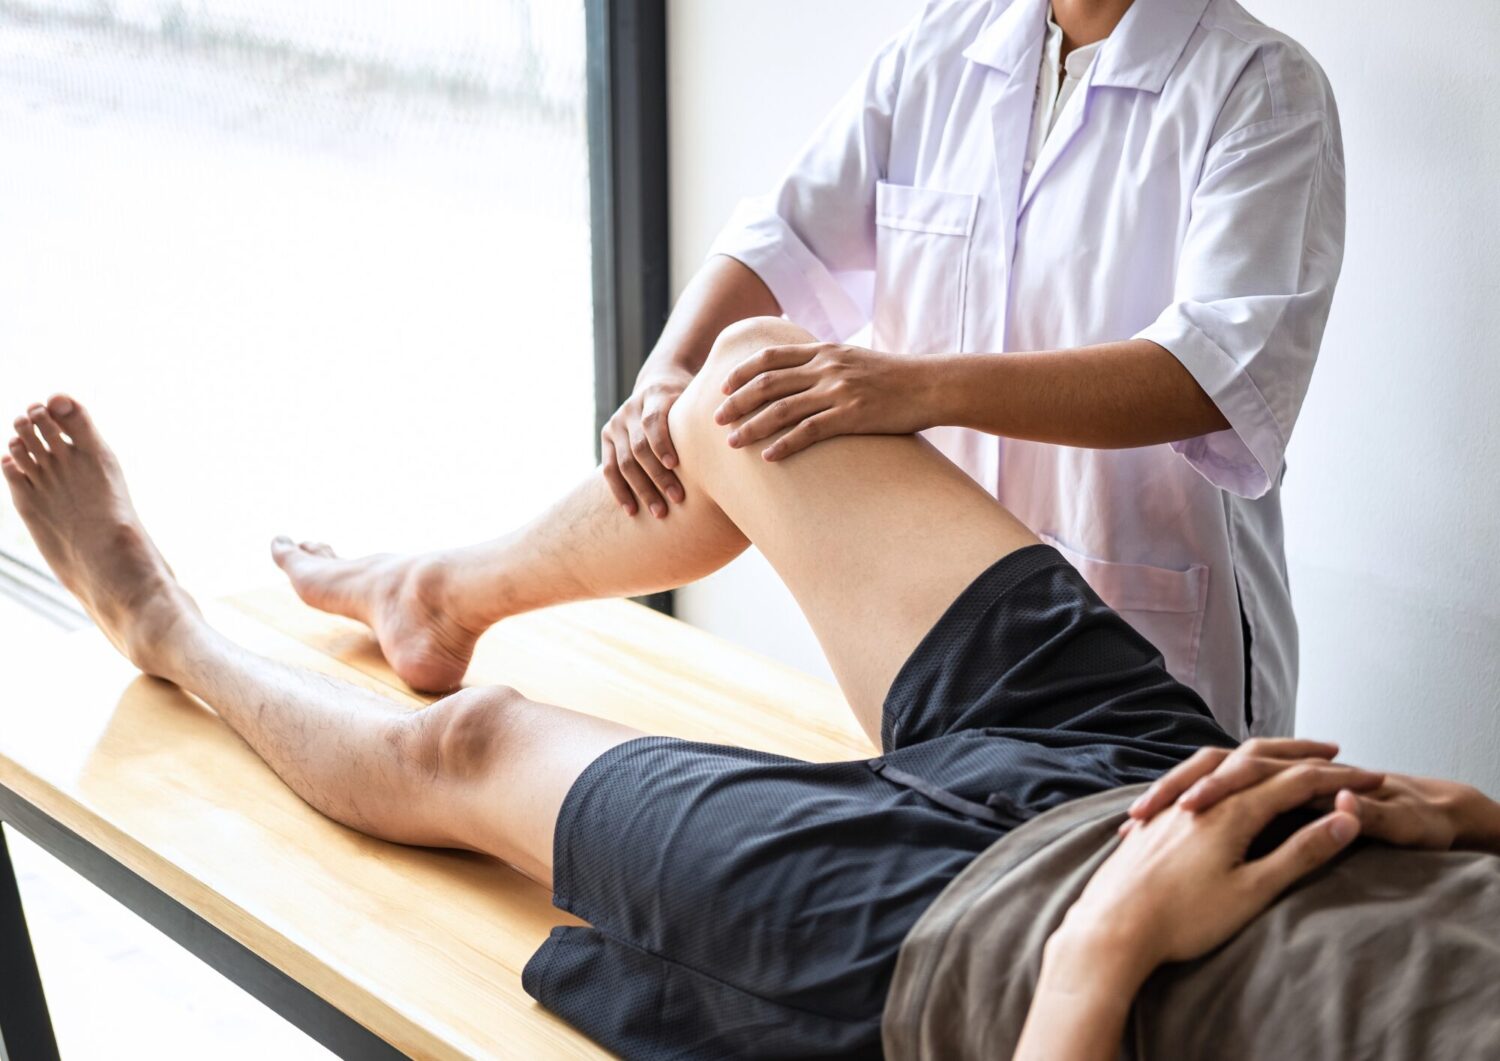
(723, 291)
(1110, 396)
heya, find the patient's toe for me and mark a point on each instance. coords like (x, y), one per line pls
(12, 471)
(74, 419)
(26, 435)
(47, 428)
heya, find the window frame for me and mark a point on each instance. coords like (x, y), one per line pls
(628, 193)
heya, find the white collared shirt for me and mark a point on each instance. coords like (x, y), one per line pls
(1191, 192)
(1055, 85)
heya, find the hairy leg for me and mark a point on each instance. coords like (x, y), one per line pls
(427, 611)
(874, 535)
(484, 769)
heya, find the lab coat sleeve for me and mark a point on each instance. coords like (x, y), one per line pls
(1255, 280)
(813, 240)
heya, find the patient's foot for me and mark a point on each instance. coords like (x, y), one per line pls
(68, 488)
(404, 599)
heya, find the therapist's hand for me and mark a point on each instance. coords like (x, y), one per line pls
(636, 449)
(820, 390)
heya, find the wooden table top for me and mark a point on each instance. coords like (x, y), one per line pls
(423, 947)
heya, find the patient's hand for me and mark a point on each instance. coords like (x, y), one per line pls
(1397, 808)
(1424, 812)
(1181, 882)
(1212, 774)
(1176, 887)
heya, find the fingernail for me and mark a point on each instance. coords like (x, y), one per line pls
(658, 511)
(669, 459)
(1140, 801)
(1343, 829)
(63, 407)
(772, 453)
(676, 495)
(734, 439)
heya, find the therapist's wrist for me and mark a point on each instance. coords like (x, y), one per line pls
(673, 366)
(957, 390)
(934, 382)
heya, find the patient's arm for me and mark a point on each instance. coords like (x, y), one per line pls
(1176, 888)
(1400, 809)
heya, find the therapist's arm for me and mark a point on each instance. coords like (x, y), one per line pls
(1109, 396)
(635, 448)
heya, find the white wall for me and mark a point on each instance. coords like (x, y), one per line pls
(1393, 493)
(748, 81)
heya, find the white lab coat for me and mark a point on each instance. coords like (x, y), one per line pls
(1191, 193)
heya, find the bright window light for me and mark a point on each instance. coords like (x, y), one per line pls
(320, 267)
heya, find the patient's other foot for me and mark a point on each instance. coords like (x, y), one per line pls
(68, 488)
(404, 599)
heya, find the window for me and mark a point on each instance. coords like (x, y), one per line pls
(320, 267)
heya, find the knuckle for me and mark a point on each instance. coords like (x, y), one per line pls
(1205, 756)
(1304, 775)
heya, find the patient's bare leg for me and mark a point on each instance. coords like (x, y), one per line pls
(428, 610)
(874, 535)
(484, 769)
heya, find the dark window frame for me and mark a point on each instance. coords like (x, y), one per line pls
(627, 134)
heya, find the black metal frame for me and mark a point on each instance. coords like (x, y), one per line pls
(627, 132)
(24, 1024)
(627, 127)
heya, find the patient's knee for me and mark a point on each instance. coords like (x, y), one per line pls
(692, 417)
(745, 337)
(466, 731)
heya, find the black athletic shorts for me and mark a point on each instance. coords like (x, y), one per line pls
(748, 904)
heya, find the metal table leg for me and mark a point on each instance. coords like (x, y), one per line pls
(25, 1025)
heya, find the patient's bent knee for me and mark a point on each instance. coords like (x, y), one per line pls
(691, 420)
(745, 337)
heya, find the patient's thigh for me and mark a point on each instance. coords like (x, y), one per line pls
(875, 535)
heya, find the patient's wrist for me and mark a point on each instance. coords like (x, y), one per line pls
(1098, 958)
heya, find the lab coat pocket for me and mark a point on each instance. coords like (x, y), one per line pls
(921, 267)
(1165, 605)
